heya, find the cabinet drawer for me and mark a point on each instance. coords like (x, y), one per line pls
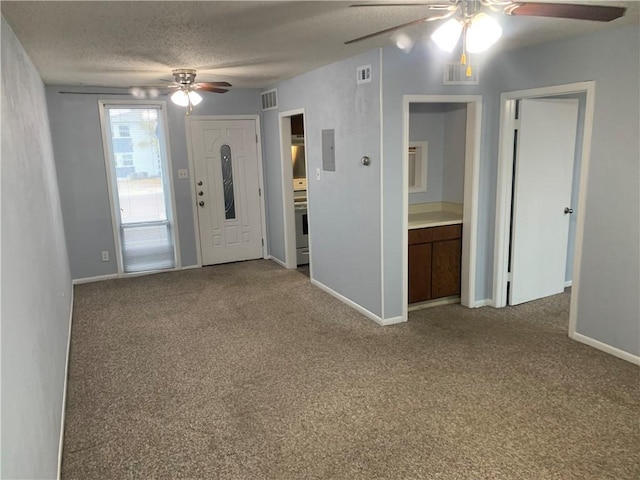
(433, 234)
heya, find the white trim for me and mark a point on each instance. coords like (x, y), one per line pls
(568, 284)
(381, 100)
(288, 214)
(487, 302)
(277, 260)
(503, 198)
(424, 164)
(192, 184)
(64, 387)
(471, 191)
(170, 174)
(590, 88)
(113, 276)
(102, 104)
(355, 306)
(263, 209)
(635, 359)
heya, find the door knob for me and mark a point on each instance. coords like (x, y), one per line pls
(568, 210)
(199, 183)
(201, 203)
(201, 193)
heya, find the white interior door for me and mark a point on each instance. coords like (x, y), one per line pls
(545, 155)
(225, 159)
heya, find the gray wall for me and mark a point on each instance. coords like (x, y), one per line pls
(420, 73)
(344, 206)
(455, 130)
(77, 143)
(608, 307)
(36, 283)
(426, 124)
(444, 126)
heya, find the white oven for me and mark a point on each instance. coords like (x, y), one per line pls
(302, 233)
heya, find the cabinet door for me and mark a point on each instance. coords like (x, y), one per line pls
(420, 272)
(446, 268)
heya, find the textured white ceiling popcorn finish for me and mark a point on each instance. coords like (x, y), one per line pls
(249, 44)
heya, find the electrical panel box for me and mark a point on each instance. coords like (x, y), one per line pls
(328, 151)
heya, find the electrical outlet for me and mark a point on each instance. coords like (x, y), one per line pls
(183, 173)
(105, 256)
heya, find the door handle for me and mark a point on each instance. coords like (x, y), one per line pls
(201, 203)
(568, 210)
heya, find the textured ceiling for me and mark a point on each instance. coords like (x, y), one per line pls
(250, 44)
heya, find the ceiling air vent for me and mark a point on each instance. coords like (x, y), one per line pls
(456, 74)
(269, 99)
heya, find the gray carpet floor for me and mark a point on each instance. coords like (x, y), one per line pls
(246, 371)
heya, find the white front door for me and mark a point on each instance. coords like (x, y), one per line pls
(545, 155)
(225, 157)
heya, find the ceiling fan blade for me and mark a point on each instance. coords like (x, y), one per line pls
(597, 13)
(391, 29)
(215, 84)
(431, 6)
(208, 88)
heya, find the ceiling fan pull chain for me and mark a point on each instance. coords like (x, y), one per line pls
(463, 57)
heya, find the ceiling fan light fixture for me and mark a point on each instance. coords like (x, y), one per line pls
(482, 33)
(195, 98)
(447, 35)
(183, 98)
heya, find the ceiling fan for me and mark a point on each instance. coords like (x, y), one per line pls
(185, 85)
(478, 30)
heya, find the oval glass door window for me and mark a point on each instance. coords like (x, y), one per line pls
(227, 182)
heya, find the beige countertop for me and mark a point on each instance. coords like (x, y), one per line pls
(434, 215)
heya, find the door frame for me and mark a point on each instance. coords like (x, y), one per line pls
(504, 188)
(288, 213)
(471, 190)
(196, 225)
(111, 183)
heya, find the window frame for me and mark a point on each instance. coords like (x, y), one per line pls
(423, 159)
(103, 107)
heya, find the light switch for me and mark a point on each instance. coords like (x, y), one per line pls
(183, 173)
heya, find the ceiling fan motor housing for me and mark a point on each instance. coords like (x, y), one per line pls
(184, 76)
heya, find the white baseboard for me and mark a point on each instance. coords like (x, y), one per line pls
(99, 278)
(111, 276)
(487, 302)
(357, 307)
(64, 388)
(568, 283)
(616, 352)
(277, 260)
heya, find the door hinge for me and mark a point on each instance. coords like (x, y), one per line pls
(263, 242)
(259, 192)
(509, 277)
(516, 124)
(256, 138)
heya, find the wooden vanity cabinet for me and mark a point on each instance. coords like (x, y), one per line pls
(434, 262)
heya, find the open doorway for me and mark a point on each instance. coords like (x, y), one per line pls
(440, 169)
(562, 216)
(294, 191)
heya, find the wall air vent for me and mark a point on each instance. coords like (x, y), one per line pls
(456, 74)
(269, 99)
